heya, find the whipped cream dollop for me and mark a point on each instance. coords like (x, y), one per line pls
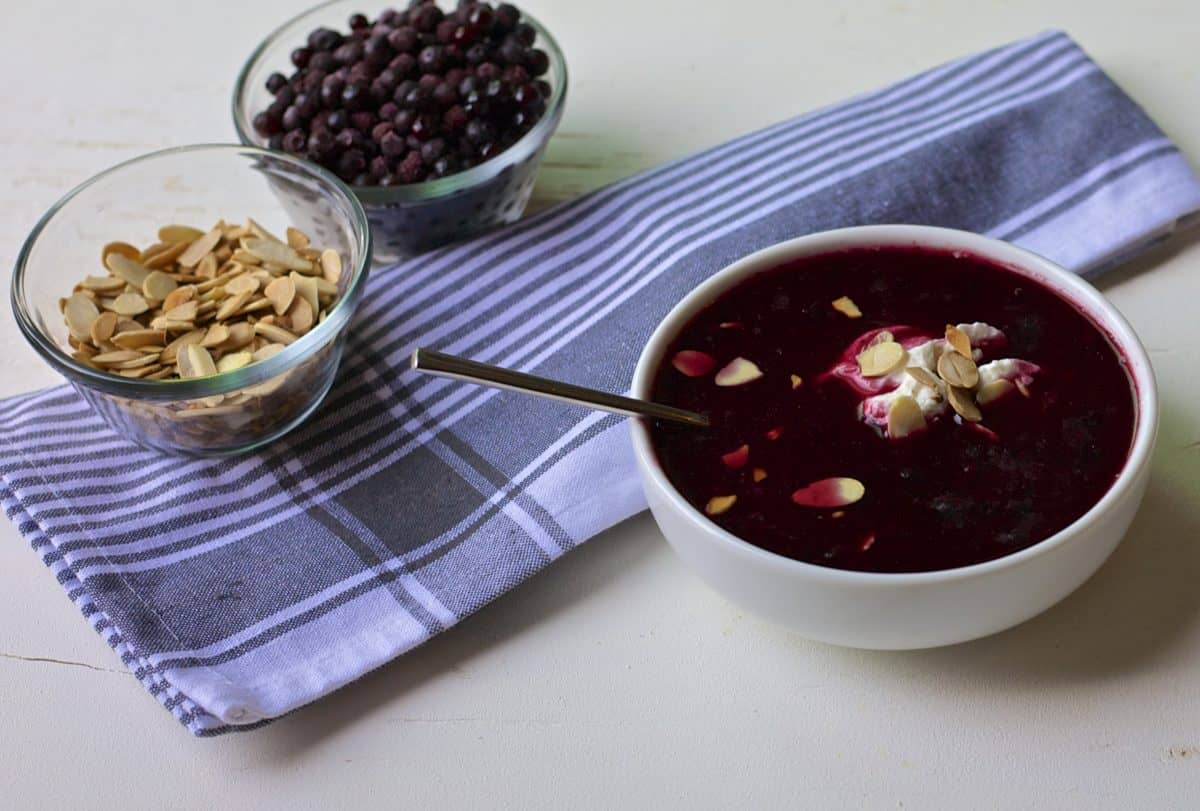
(923, 351)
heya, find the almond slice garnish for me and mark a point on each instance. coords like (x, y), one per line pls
(922, 376)
(331, 265)
(194, 361)
(963, 404)
(904, 417)
(199, 248)
(797, 382)
(158, 285)
(737, 458)
(738, 372)
(719, 504)
(130, 304)
(281, 291)
(103, 328)
(836, 492)
(881, 359)
(693, 363)
(179, 233)
(958, 370)
(80, 311)
(758, 474)
(846, 306)
(959, 340)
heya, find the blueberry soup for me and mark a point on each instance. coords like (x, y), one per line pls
(894, 409)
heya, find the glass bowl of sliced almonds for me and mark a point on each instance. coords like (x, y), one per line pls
(197, 297)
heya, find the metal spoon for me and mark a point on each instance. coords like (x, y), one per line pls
(483, 374)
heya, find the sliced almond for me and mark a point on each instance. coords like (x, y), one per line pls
(123, 248)
(138, 362)
(963, 403)
(119, 356)
(207, 267)
(331, 265)
(278, 253)
(882, 337)
(296, 240)
(217, 334)
(241, 284)
(103, 284)
(80, 311)
(836, 492)
(797, 382)
(103, 327)
(184, 312)
(165, 256)
(159, 285)
(169, 355)
(881, 359)
(846, 306)
(922, 376)
(137, 339)
(958, 370)
(126, 268)
(194, 361)
(234, 360)
(300, 316)
(737, 372)
(719, 504)
(273, 333)
(959, 340)
(240, 334)
(147, 371)
(179, 233)
(758, 474)
(180, 295)
(231, 305)
(256, 229)
(306, 286)
(267, 351)
(197, 249)
(990, 392)
(130, 304)
(904, 417)
(281, 292)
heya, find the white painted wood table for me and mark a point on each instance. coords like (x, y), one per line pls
(616, 678)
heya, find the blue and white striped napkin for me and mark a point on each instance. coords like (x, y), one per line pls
(240, 589)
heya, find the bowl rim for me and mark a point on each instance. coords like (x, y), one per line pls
(223, 382)
(527, 145)
(1062, 282)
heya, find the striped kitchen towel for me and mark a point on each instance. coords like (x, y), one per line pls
(239, 589)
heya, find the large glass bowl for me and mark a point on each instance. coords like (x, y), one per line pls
(196, 185)
(407, 220)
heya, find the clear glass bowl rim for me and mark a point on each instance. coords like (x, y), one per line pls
(292, 355)
(529, 143)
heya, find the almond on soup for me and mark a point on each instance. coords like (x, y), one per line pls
(894, 409)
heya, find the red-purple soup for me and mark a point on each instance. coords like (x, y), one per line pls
(894, 409)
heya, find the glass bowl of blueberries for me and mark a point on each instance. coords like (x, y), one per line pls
(437, 119)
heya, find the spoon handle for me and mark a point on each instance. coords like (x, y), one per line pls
(439, 363)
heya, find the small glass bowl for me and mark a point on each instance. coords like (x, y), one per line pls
(225, 413)
(407, 220)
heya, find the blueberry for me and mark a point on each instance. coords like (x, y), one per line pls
(276, 82)
(300, 57)
(537, 61)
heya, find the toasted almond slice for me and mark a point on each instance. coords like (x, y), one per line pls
(904, 417)
(301, 316)
(331, 265)
(959, 340)
(128, 325)
(113, 358)
(846, 306)
(150, 250)
(194, 361)
(144, 360)
(184, 312)
(217, 334)
(178, 296)
(326, 290)
(206, 268)
(262, 233)
(296, 239)
(267, 351)
(80, 311)
(241, 284)
(258, 305)
(240, 334)
(231, 305)
(170, 354)
(882, 337)
(158, 374)
(758, 474)
(277, 253)
(127, 269)
(123, 248)
(737, 372)
(836, 492)
(159, 285)
(281, 292)
(274, 333)
(245, 257)
(958, 370)
(130, 304)
(103, 327)
(164, 257)
(719, 504)
(151, 371)
(881, 359)
(922, 376)
(962, 402)
(137, 339)
(179, 233)
(168, 325)
(234, 360)
(103, 284)
(198, 248)
(306, 286)
(990, 392)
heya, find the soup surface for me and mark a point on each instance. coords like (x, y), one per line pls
(841, 435)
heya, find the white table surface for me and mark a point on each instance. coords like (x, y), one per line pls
(616, 678)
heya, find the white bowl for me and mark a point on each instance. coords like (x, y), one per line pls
(911, 610)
